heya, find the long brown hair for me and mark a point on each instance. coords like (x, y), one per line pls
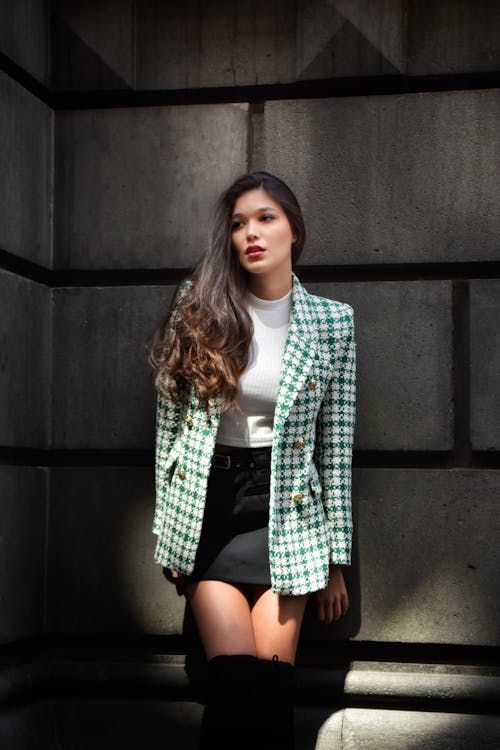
(205, 339)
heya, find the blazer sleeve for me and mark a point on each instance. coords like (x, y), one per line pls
(168, 418)
(334, 441)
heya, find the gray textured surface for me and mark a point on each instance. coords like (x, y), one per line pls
(25, 350)
(222, 43)
(135, 187)
(420, 572)
(24, 34)
(403, 339)
(428, 555)
(378, 729)
(485, 364)
(93, 44)
(453, 37)
(103, 394)
(158, 45)
(390, 179)
(22, 551)
(101, 574)
(25, 173)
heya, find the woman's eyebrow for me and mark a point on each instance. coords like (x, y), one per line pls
(264, 208)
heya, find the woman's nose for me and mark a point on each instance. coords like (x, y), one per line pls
(252, 230)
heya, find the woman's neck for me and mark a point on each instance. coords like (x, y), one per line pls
(269, 289)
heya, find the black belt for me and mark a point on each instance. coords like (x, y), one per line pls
(247, 458)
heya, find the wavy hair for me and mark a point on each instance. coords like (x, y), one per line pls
(205, 339)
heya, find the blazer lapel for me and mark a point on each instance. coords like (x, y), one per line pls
(298, 357)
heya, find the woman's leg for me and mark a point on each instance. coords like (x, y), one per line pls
(276, 623)
(223, 618)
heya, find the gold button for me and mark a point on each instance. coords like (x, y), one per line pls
(189, 422)
(298, 497)
(299, 443)
(312, 384)
(181, 473)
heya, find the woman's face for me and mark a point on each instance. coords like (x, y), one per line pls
(262, 236)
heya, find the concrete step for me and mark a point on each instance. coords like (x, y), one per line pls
(100, 724)
(79, 704)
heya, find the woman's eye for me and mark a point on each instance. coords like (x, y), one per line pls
(266, 217)
(235, 225)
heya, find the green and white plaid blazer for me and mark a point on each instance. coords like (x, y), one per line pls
(310, 496)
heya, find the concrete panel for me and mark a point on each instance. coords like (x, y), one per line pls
(350, 38)
(485, 364)
(390, 179)
(102, 577)
(103, 394)
(134, 187)
(24, 35)
(25, 173)
(22, 551)
(25, 344)
(223, 43)
(404, 355)
(453, 36)
(428, 555)
(92, 44)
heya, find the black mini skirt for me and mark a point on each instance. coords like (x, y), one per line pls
(234, 543)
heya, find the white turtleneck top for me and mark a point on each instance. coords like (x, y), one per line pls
(258, 385)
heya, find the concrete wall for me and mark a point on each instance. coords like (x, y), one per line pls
(108, 181)
(402, 179)
(25, 319)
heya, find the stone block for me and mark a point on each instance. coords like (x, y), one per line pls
(428, 555)
(135, 187)
(485, 364)
(453, 37)
(404, 355)
(102, 577)
(103, 393)
(25, 339)
(92, 44)
(349, 38)
(221, 43)
(24, 35)
(390, 179)
(25, 173)
(23, 508)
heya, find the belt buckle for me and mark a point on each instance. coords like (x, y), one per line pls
(223, 461)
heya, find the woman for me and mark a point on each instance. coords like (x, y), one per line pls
(255, 421)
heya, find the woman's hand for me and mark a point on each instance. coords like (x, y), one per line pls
(172, 575)
(332, 602)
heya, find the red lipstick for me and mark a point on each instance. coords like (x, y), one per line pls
(254, 251)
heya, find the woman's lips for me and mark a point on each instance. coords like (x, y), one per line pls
(254, 251)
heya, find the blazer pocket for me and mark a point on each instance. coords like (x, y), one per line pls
(314, 481)
(171, 470)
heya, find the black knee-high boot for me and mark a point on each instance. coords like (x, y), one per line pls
(232, 688)
(249, 704)
(277, 704)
